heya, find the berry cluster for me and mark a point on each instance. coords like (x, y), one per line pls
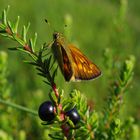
(47, 112)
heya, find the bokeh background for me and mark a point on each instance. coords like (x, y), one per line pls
(94, 25)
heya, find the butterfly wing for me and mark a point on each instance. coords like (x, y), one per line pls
(62, 55)
(67, 67)
(83, 68)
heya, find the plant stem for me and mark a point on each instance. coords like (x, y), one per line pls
(55, 89)
(22, 108)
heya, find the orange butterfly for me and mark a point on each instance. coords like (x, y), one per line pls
(72, 62)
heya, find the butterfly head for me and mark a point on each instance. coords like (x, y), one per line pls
(57, 35)
(58, 38)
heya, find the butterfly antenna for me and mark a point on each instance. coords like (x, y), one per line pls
(47, 22)
(51, 27)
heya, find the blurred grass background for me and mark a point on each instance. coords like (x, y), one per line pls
(96, 25)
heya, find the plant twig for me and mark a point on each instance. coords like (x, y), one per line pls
(19, 107)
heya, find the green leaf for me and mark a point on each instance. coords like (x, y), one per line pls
(42, 74)
(69, 105)
(19, 40)
(55, 128)
(2, 32)
(15, 27)
(40, 69)
(54, 73)
(32, 63)
(55, 137)
(10, 26)
(53, 97)
(46, 64)
(24, 32)
(4, 17)
(47, 123)
(13, 49)
(2, 26)
(34, 41)
(47, 83)
(49, 61)
(28, 26)
(93, 120)
(23, 50)
(60, 96)
(31, 43)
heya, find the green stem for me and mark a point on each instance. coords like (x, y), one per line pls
(22, 108)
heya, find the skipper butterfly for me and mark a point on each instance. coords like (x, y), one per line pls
(73, 63)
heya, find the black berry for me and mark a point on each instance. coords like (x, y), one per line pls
(73, 115)
(46, 111)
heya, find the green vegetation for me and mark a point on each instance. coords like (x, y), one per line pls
(108, 33)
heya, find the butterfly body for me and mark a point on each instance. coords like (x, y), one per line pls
(72, 62)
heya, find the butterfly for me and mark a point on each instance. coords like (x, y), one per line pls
(74, 65)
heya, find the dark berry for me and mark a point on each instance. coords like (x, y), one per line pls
(46, 111)
(73, 115)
